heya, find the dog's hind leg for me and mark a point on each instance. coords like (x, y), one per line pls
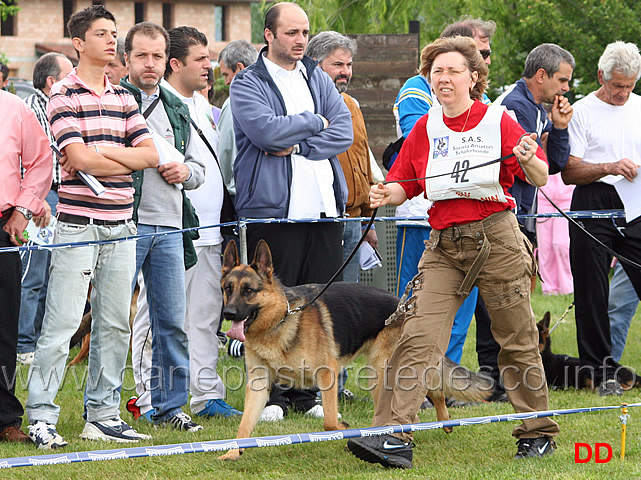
(327, 381)
(442, 413)
(84, 350)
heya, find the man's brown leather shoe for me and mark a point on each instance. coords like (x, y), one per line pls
(14, 434)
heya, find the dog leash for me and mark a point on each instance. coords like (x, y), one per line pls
(485, 164)
(291, 311)
(369, 226)
(581, 227)
(340, 270)
(560, 320)
(556, 207)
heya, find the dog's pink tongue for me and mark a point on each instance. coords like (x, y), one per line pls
(236, 331)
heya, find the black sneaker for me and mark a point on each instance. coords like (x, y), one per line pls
(498, 396)
(535, 447)
(387, 450)
(346, 396)
(427, 403)
(182, 421)
(610, 387)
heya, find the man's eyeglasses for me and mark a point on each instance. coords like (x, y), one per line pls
(485, 54)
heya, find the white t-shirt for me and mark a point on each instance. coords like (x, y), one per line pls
(311, 191)
(208, 198)
(604, 133)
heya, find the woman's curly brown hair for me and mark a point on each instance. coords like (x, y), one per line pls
(466, 47)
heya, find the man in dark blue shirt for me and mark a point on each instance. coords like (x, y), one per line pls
(546, 78)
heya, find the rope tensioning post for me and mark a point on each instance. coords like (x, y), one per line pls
(624, 422)
(279, 440)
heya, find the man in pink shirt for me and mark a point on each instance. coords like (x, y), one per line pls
(23, 143)
(100, 131)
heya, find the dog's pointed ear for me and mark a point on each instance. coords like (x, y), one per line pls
(262, 262)
(230, 257)
(546, 320)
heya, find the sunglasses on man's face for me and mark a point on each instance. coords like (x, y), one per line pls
(485, 54)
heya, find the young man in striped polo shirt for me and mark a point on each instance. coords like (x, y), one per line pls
(91, 121)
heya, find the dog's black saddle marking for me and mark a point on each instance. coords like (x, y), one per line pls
(358, 312)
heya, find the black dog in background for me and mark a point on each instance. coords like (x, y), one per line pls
(563, 371)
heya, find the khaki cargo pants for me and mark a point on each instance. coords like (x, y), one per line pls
(494, 255)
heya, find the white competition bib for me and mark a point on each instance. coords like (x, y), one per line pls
(452, 154)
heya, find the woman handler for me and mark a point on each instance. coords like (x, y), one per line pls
(475, 241)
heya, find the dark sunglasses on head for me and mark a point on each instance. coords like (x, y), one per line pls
(485, 54)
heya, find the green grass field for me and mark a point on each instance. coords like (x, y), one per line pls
(471, 452)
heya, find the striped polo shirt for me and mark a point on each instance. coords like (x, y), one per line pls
(77, 114)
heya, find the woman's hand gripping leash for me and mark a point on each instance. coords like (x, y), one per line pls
(536, 171)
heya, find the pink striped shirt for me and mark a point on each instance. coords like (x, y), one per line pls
(79, 115)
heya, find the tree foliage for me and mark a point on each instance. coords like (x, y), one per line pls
(5, 11)
(584, 27)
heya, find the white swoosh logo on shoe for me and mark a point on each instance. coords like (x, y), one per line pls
(388, 446)
(543, 448)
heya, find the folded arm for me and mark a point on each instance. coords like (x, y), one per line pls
(105, 161)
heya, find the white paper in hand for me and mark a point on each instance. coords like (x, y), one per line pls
(167, 153)
(41, 236)
(369, 257)
(629, 194)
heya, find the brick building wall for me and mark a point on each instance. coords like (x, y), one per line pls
(41, 22)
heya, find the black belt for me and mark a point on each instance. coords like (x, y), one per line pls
(79, 220)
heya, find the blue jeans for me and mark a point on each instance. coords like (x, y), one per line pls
(110, 269)
(161, 259)
(410, 245)
(622, 305)
(351, 236)
(35, 276)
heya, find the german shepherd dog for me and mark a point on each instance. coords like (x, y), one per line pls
(564, 371)
(305, 348)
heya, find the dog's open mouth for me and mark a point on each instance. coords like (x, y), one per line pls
(239, 327)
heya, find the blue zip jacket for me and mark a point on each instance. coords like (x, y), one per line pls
(533, 118)
(262, 126)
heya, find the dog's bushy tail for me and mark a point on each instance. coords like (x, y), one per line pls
(456, 381)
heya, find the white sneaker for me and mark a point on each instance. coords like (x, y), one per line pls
(272, 413)
(114, 430)
(318, 412)
(45, 436)
(25, 358)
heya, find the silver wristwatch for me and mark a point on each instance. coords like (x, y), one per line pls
(28, 214)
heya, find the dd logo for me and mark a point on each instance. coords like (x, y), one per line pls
(578, 447)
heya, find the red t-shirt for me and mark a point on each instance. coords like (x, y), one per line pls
(412, 163)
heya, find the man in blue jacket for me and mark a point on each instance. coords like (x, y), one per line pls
(546, 78)
(290, 123)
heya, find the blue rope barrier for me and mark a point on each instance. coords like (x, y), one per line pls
(597, 214)
(279, 440)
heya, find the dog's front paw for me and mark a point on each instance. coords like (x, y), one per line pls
(232, 455)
